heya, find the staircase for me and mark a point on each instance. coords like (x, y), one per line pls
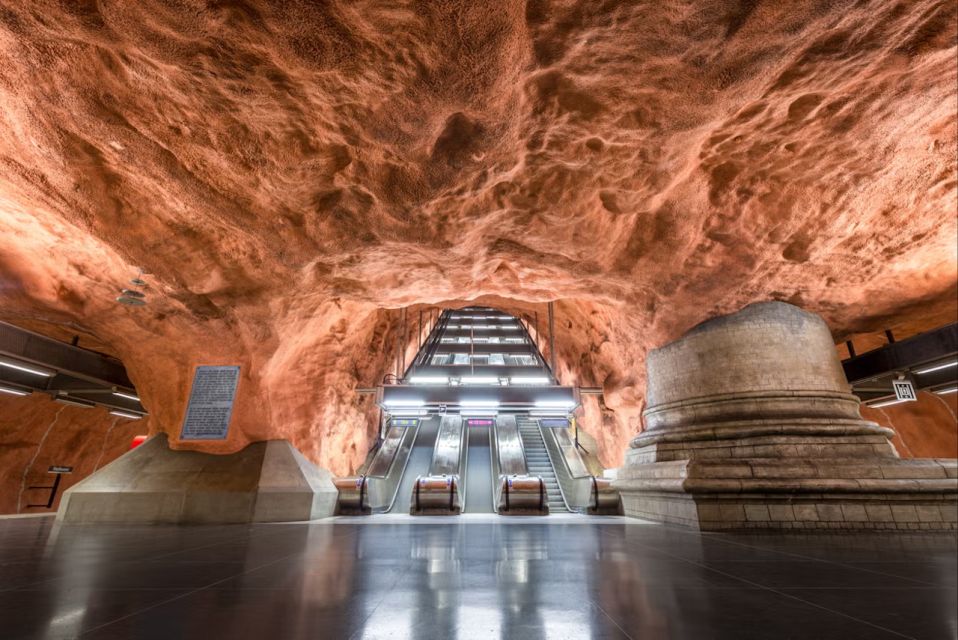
(538, 463)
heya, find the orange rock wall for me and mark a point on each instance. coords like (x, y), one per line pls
(290, 174)
(923, 429)
(36, 432)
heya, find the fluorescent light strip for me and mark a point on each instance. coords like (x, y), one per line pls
(555, 404)
(76, 403)
(405, 403)
(478, 413)
(938, 367)
(946, 390)
(886, 403)
(549, 414)
(14, 392)
(124, 414)
(479, 380)
(429, 380)
(128, 396)
(408, 414)
(28, 369)
(478, 403)
(538, 380)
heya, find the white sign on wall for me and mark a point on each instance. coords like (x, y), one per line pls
(211, 403)
(904, 390)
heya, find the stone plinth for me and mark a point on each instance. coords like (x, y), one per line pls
(751, 424)
(265, 482)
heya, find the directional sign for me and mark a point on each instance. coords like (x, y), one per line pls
(904, 390)
(59, 469)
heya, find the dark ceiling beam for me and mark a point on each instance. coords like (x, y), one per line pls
(75, 362)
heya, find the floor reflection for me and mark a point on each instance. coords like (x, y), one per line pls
(476, 578)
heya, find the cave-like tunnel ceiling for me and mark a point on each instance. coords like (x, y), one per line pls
(289, 174)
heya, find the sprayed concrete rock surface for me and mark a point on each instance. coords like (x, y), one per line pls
(290, 174)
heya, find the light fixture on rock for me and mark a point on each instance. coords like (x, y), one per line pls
(134, 297)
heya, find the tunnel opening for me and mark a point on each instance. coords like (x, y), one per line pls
(478, 422)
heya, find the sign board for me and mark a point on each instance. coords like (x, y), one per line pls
(479, 422)
(554, 423)
(211, 403)
(404, 422)
(56, 468)
(904, 390)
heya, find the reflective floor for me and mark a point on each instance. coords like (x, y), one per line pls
(476, 577)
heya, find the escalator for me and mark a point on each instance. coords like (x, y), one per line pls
(539, 464)
(420, 458)
(478, 481)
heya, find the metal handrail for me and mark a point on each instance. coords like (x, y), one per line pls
(405, 465)
(554, 451)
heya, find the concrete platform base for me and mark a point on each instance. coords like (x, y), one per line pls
(265, 482)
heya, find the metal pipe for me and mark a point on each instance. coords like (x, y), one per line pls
(890, 336)
(552, 340)
(851, 349)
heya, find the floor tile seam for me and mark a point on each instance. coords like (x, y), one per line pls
(821, 560)
(611, 619)
(773, 590)
(182, 595)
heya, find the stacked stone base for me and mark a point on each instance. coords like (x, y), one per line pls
(811, 494)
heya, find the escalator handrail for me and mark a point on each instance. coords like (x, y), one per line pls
(402, 474)
(565, 465)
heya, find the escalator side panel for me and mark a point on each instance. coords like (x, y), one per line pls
(419, 460)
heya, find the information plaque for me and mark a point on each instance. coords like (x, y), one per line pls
(211, 403)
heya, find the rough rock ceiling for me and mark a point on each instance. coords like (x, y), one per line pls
(287, 171)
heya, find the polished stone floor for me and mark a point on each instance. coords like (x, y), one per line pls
(475, 577)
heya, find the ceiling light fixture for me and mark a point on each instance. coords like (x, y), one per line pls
(405, 403)
(946, 390)
(124, 414)
(86, 404)
(555, 404)
(429, 380)
(128, 396)
(937, 367)
(886, 403)
(536, 380)
(14, 391)
(19, 366)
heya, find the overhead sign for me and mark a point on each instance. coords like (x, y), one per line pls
(904, 390)
(554, 423)
(56, 468)
(211, 403)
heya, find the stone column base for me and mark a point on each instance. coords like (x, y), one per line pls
(152, 484)
(829, 494)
